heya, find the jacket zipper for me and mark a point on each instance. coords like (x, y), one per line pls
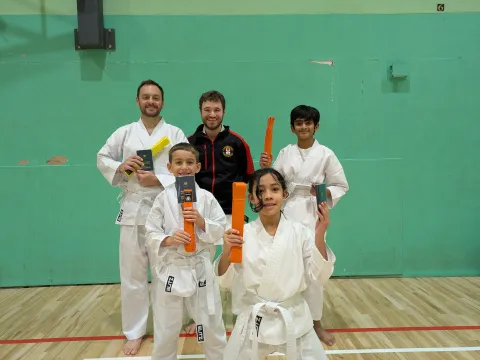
(205, 156)
(213, 165)
(213, 160)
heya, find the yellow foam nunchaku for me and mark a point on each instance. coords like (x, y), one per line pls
(159, 146)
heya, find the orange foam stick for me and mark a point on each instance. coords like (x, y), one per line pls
(188, 226)
(269, 138)
(238, 217)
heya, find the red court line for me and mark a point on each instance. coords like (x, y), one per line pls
(346, 330)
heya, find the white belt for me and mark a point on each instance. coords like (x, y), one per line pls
(240, 331)
(135, 187)
(146, 196)
(145, 200)
(301, 191)
(202, 258)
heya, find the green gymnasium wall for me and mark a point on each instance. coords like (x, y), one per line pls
(409, 146)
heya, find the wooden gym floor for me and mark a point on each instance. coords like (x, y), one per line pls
(416, 318)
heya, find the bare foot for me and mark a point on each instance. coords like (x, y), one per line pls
(190, 328)
(324, 336)
(131, 347)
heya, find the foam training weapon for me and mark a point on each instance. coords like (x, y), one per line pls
(269, 138)
(238, 217)
(188, 226)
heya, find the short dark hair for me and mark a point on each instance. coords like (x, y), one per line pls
(150, 82)
(304, 112)
(186, 147)
(212, 95)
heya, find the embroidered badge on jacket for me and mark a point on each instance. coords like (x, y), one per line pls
(227, 151)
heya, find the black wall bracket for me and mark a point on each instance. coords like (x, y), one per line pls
(108, 42)
(91, 33)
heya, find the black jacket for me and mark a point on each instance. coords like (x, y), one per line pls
(224, 161)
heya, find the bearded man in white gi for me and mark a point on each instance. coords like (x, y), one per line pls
(115, 158)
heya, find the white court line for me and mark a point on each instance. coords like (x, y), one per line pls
(350, 351)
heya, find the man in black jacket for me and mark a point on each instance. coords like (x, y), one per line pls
(224, 155)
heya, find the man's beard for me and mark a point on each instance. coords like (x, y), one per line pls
(154, 114)
(219, 126)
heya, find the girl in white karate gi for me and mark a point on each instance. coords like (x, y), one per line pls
(280, 258)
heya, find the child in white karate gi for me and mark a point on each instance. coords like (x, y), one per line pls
(303, 165)
(280, 258)
(183, 279)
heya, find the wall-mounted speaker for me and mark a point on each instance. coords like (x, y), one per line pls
(90, 33)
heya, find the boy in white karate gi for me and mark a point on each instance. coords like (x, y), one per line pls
(280, 259)
(303, 165)
(119, 154)
(182, 279)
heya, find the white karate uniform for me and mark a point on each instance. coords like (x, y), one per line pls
(213, 251)
(301, 168)
(180, 278)
(134, 208)
(267, 292)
